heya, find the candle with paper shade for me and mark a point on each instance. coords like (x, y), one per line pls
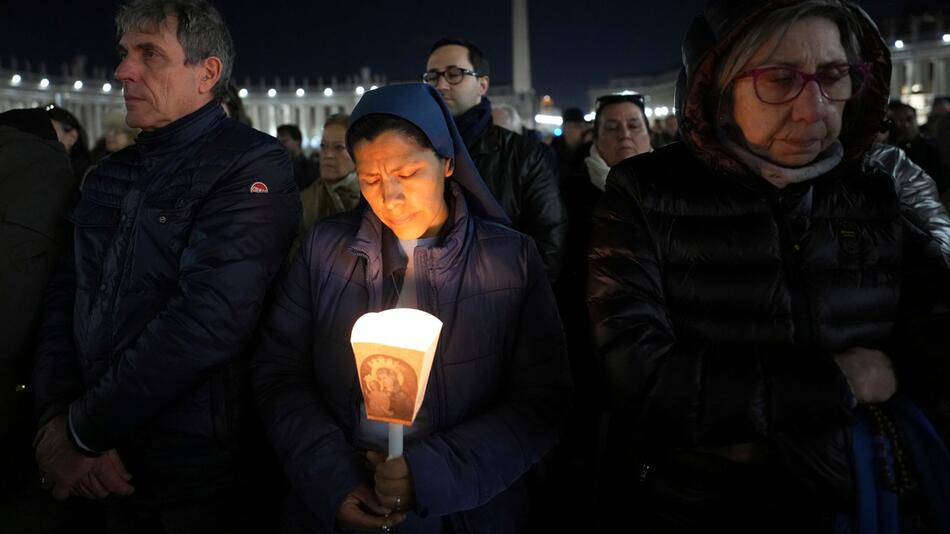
(394, 350)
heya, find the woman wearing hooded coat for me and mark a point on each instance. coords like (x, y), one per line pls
(757, 293)
(499, 386)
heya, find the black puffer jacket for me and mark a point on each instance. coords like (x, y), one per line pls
(518, 174)
(177, 239)
(718, 300)
(36, 186)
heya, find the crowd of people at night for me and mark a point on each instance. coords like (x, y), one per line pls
(731, 319)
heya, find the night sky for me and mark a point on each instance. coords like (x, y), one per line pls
(573, 44)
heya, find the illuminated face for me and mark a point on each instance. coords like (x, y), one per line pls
(464, 95)
(794, 133)
(159, 88)
(621, 132)
(335, 161)
(403, 183)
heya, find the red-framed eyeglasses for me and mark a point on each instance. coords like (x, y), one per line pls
(778, 85)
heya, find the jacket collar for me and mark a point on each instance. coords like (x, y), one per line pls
(488, 143)
(182, 133)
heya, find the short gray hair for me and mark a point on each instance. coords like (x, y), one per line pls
(514, 118)
(202, 32)
(779, 21)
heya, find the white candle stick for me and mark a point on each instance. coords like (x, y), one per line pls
(395, 440)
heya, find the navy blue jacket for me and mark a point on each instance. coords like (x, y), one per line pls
(498, 390)
(175, 246)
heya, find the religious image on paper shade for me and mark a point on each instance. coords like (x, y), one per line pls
(389, 388)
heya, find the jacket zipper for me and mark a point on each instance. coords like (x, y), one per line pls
(792, 265)
(424, 298)
(355, 389)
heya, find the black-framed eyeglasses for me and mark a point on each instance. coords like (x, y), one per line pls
(453, 75)
(837, 83)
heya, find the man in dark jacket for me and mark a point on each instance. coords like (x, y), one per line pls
(921, 150)
(514, 167)
(306, 170)
(36, 185)
(177, 239)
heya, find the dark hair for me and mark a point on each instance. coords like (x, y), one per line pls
(337, 119)
(610, 100)
(573, 115)
(897, 105)
(371, 126)
(235, 105)
(476, 56)
(79, 155)
(292, 130)
(202, 32)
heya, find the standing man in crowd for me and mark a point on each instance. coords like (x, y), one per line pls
(514, 167)
(306, 171)
(905, 134)
(568, 146)
(36, 185)
(141, 369)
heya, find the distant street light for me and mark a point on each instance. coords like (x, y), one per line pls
(551, 120)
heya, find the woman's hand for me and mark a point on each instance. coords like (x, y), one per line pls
(361, 510)
(393, 481)
(869, 373)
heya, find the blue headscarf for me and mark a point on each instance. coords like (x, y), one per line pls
(422, 105)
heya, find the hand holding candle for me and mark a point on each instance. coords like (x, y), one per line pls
(392, 481)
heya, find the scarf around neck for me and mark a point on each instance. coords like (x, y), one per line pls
(780, 176)
(473, 123)
(597, 168)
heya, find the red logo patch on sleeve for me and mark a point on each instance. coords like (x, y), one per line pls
(258, 187)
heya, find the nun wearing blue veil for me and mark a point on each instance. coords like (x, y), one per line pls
(429, 236)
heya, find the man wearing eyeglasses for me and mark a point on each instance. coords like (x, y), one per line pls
(513, 166)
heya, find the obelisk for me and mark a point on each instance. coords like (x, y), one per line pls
(520, 47)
